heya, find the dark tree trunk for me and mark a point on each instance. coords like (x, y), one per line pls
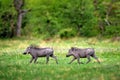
(18, 4)
(19, 24)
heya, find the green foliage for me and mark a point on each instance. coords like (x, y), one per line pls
(89, 31)
(51, 18)
(112, 31)
(67, 33)
(55, 17)
(6, 25)
(7, 19)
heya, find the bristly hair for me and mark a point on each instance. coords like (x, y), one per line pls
(37, 47)
(34, 46)
(74, 48)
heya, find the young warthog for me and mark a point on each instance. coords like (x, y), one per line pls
(78, 53)
(40, 52)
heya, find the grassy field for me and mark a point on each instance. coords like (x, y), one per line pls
(15, 66)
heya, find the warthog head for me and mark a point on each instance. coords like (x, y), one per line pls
(70, 52)
(27, 50)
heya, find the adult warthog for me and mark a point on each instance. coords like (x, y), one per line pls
(36, 52)
(78, 53)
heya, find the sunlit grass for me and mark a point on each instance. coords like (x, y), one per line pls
(15, 66)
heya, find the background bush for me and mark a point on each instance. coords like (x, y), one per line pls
(63, 18)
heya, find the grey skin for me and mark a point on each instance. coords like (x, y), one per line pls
(78, 53)
(40, 52)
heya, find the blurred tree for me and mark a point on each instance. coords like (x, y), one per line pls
(18, 4)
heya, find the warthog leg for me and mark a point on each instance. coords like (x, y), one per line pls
(35, 59)
(31, 59)
(88, 57)
(55, 58)
(78, 60)
(94, 56)
(72, 60)
(97, 60)
(47, 59)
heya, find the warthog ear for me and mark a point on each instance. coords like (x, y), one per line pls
(72, 48)
(28, 48)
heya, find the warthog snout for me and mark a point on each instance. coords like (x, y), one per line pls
(24, 53)
(67, 55)
(27, 51)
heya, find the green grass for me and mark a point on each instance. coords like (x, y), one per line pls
(15, 66)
